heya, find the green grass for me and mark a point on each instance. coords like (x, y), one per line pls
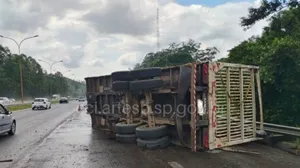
(297, 143)
(55, 102)
(25, 106)
(19, 107)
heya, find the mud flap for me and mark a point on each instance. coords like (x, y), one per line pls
(94, 121)
(183, 85)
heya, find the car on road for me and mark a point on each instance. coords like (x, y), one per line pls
(4, 100)
(41, 103)
(81, 99)
(7, 121)
(63, 100)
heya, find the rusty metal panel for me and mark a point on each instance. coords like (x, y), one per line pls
(170, 76)
(231, 109)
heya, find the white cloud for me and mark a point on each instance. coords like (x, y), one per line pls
(128, 59)
(96, 37)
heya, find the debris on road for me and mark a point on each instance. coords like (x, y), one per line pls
(240, 151)
(8, 160)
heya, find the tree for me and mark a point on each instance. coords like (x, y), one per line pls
(36, 82)
(177, 54)
(267, 8)
(277, 53)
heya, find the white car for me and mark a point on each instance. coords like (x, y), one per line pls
(7, 121)
(41, 103)
(4, 100)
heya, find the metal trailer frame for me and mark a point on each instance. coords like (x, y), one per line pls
(232, 104)
(213, 83)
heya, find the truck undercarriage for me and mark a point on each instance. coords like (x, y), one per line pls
(197, 105)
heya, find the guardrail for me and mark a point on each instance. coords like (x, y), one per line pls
(280, 129)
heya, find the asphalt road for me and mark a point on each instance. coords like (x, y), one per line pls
(63, 138)
(32, 128)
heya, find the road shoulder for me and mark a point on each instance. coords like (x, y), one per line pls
(75, 144)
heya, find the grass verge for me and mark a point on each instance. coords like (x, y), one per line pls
(24, 106)
(55, 102)
(18, 107)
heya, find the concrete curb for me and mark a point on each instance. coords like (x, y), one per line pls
(288, 148)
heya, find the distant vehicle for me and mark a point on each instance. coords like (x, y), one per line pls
(41, 103)
(81, 99)
(7, 121)
(4, 100)
(63, 100)
(12, 100)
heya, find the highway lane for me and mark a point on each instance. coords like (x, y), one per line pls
(32, 128)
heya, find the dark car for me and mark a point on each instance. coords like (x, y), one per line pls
(63, 100)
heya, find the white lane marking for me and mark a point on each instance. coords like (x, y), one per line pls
(175, 165)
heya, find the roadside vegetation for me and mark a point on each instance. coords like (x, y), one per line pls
(36, 81)
(276, 52)
(17, 107)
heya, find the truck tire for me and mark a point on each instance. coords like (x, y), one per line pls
(121, 76)
(123, 128)
(126, 138)
(149, 133)
(149, 84)
(120, 85)
(154, 144)
(145, 73)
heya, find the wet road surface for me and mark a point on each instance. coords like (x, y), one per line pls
(75, 144)
(32, 128)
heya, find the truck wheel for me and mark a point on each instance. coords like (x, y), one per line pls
(123, 128)
(126, 138)
(145, 73)
(154, 144)
(148, 133)
(120, 85)
(121, 76)
(149, 84)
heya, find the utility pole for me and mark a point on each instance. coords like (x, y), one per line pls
(157, 27)
(20, 62)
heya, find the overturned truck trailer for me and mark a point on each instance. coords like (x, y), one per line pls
(197, 105)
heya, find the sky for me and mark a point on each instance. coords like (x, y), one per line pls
(210, 3)
(97, 37)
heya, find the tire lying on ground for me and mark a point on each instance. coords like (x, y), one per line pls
(123, 128)
(145, 85)
(121, 76)
(154, 144)
(120, 85)
(149, 133)
(145, 73)
(126, 138)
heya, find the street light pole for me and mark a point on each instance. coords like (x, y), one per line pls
(61, 79)
(20, 63)
(51, 65)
